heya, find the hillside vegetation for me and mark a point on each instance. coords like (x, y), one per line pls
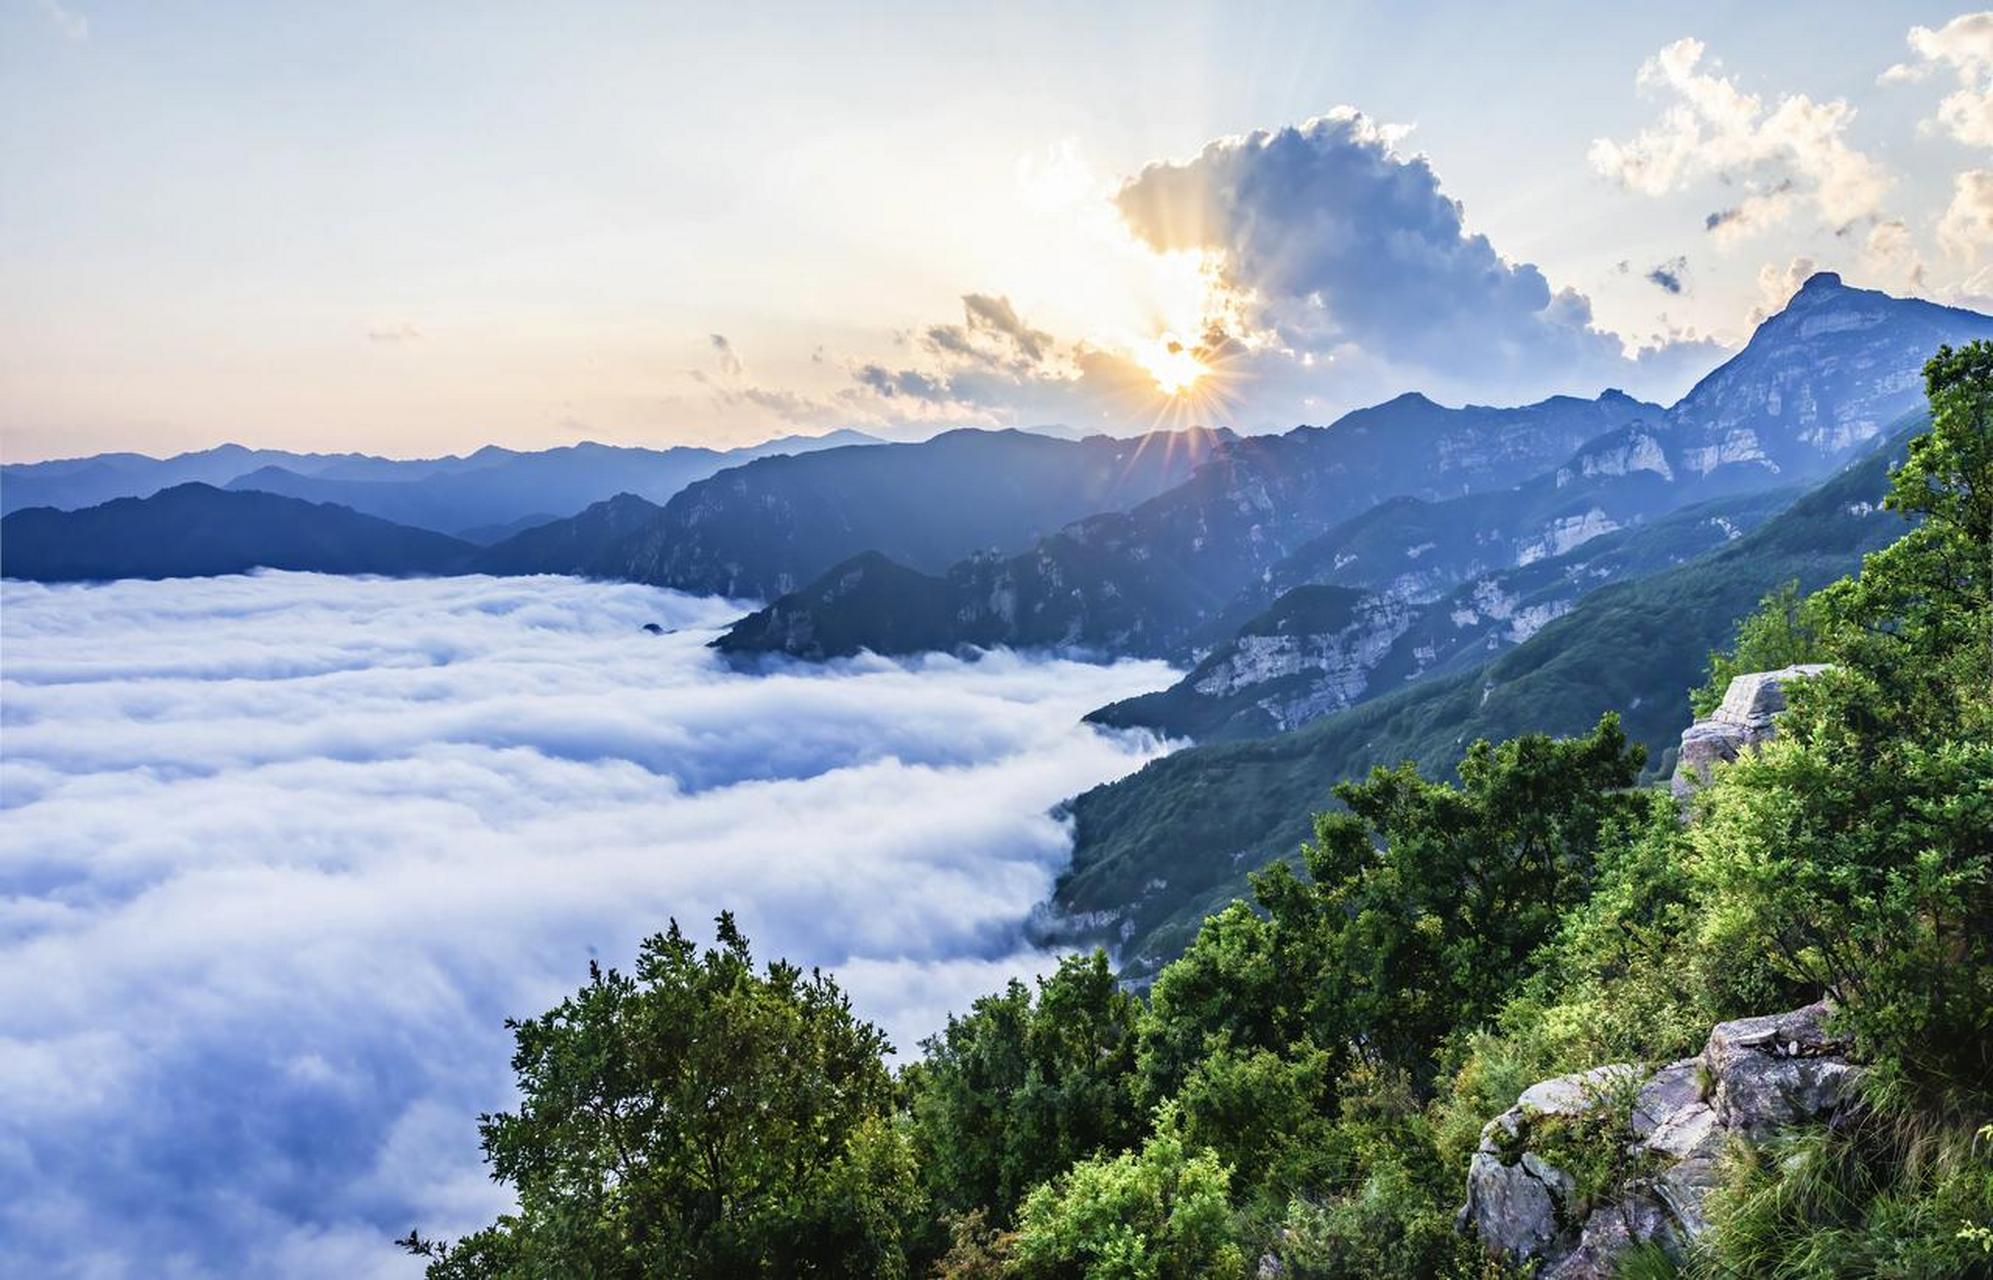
(1199, 820)
(1298, 1093)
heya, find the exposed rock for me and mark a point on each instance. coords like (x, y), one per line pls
(1754, 1077)
(1747, 716)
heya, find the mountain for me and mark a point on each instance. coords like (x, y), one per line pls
(1142, 580)
(497, 486)
(856, 598)
(1473, 491)
(72, 483)
(768, 527)
(193, 530)
(574, 545)
(1321, 648)
(490, 487)
(1156, 851)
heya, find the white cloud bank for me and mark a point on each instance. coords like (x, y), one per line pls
(279, 853)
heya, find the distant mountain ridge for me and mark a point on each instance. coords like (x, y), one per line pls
(491, 487)
(1142, 581)
(768, 527)
(197, 530)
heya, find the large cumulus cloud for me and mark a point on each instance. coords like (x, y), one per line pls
(282, 851)
(1340, 273)
(1326, 236)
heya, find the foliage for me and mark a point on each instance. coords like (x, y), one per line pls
(1783, 631)
(1160, 1213)
(1891, 1195)
(1856, 851)
(697, 1119)
(1424, 903)
(1015, 1090)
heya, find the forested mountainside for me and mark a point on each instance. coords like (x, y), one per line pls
(1156, 851)
(485, 490)
(1816, 384)
(194, 530)
(769, 527)
(1527, 1018)
(1322, 648)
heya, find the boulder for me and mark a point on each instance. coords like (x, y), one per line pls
(1746, 717)
(1666, 1131)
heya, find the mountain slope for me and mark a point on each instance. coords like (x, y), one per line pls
(1284, 667)
(193, 530)
(498, 486)
(768, 527)
(573, 545)
(1155, 851)
(1141, 580)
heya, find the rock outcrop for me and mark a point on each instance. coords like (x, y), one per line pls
(1584, 1167)
(1746, 717)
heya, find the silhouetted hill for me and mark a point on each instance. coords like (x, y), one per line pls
(194, 530)
(574, 545)
(770, 526)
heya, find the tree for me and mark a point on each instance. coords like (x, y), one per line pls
(1160, 1213)
(697, 1119)
(1423, 903)
(1014, 1091)
(1782, 631)
(1856, 850)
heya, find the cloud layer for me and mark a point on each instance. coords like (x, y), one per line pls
(282, 851)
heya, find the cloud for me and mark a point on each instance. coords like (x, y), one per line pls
(1669, 275)
(1785, 156)
(394, 332)
(1337, 272)
(1963, 46)
(1966, 227)
(285, 850)
(1777, 284)
(1323, 235)
(729, 359)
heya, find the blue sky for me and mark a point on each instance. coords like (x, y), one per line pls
(413, 229)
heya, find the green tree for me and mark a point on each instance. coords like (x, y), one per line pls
(1423, 904)
(1160, 1213)
(1782, 631)
(1015, 1090)
(698, 1119)
(1856, 850)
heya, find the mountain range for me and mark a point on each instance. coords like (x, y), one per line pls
(747, 530)
(478, 496)
(1411, 499)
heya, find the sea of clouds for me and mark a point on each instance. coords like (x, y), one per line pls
(279, 853)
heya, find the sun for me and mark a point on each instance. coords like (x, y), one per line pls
(1171, 364)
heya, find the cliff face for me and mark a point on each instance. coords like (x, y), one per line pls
(1585, 1167)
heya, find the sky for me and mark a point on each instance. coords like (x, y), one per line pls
(419, 229)
(284, 851)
